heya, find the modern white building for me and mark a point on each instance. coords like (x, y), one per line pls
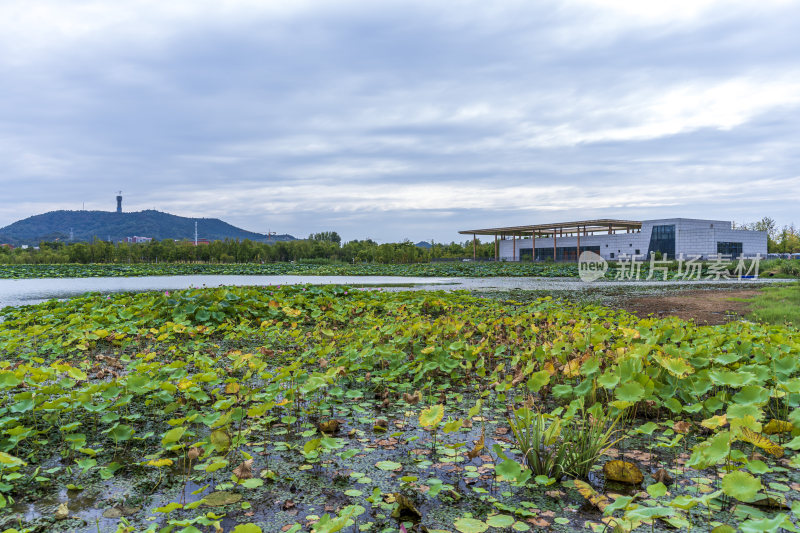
(622, 239)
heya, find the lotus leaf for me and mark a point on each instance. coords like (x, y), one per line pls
(470, 525)
(431, 416)
(741, 485)
(623, 472)
(220, 498)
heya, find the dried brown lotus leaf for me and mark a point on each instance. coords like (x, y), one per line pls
(244, 470)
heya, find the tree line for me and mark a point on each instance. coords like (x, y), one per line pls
(779, 241)
(320, 248)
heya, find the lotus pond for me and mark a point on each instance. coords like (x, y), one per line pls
(332, 409)
(481, 269)
(444, 269)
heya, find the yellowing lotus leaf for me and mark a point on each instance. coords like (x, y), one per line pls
(774, 427)
(631, 333)
(595, 498)
(677, 366)
(431, 416)
(623, 472)
(572, 368)
(756, 439)
(184, 384)
(715, 422)
(158, 463)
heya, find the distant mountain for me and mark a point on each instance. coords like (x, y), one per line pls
(423, 244)
(105, 225)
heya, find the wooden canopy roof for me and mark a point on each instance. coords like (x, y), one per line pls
(586, 227)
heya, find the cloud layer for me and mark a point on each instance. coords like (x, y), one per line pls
(397, 120)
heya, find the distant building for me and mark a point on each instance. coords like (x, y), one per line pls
(9, 246)
(622, 239)
(137, 240)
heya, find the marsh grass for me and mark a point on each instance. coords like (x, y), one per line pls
(777, 304)
(555, 447)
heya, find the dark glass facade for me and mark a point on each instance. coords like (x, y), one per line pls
(732, 249)
(662, 239)
(563, 253)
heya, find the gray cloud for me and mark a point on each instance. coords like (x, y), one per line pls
(401, 120)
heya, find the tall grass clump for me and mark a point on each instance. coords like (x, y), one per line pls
(555, 446)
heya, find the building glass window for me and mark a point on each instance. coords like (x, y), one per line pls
(563, 253)
(662, 239)
(732, 249)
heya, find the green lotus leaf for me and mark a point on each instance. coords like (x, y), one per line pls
(388, 465)
(500, 520)
(246, 528)
(470, 525)
(629, 392)
(537, 380)
(741, 485)
(657, 490)
(752, 395)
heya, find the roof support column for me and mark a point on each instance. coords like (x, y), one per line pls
(533, 246)
(578, 248)
(514, 248)
(554, 245)
(474, 247)
(495, 247)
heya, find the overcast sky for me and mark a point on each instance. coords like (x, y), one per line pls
(396, 120)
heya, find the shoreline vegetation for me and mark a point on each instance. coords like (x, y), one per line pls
(322, 409)
(773, 268)
(779, 304)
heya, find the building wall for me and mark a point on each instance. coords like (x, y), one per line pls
(693, 237)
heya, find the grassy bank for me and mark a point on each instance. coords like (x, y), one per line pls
(779, 304)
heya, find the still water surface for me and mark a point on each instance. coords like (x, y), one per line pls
(32, 291)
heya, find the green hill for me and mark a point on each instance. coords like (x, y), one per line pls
(105, 225)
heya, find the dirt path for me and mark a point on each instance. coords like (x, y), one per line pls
(703, 306)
